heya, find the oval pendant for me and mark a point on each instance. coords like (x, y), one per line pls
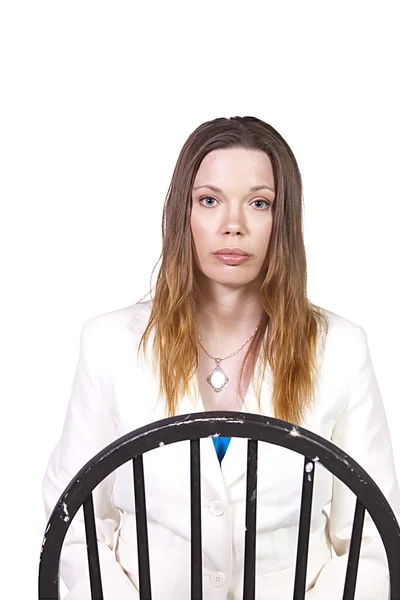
(217, 379)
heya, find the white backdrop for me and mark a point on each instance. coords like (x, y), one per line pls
(97, 99)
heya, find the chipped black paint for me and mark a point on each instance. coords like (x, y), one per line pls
(228, 424)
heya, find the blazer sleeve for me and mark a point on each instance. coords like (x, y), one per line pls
(362, 432)
(88, 427)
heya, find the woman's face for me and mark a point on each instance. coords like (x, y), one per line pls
(228, 213)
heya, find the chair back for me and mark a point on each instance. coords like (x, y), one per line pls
(194, 427)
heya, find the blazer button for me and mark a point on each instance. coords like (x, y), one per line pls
(217, 508)
(217, 579)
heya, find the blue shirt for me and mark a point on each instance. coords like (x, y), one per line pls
(221, 444)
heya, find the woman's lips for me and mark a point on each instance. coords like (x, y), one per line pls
(232, 259)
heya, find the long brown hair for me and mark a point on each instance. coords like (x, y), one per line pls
(294, 323)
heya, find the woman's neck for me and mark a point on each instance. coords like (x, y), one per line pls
(222, 326)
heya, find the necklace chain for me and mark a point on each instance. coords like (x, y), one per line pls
(218, 360)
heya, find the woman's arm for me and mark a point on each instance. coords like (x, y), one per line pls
(362, 432)
(88, 428)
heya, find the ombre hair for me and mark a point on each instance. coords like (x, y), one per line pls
(290, 326)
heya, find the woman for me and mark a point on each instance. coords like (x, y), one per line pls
(229, 328)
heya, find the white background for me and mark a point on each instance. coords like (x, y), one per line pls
(97, 99)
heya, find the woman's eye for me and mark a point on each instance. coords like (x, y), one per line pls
(207, 198)
(267, 204)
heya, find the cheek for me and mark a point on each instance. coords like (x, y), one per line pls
(263, 241)
(199, 230)
(193, 226)
(263, 231)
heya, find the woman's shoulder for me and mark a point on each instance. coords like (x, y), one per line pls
(132, 317)
(339, 324)
(344, 341)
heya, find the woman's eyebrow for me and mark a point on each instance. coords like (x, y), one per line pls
(255, 188)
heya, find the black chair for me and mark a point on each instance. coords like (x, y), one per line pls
(193, 427)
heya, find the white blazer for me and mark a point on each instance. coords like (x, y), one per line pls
(114, 393)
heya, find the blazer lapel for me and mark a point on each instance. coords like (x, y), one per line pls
(234, 463)
(210, 467)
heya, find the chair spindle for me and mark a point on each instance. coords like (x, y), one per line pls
(96, 587)
(249, 583)
(196, 543)
(141, 529)
(304, 530)
(354, 552)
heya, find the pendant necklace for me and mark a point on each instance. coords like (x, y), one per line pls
(218, 378)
